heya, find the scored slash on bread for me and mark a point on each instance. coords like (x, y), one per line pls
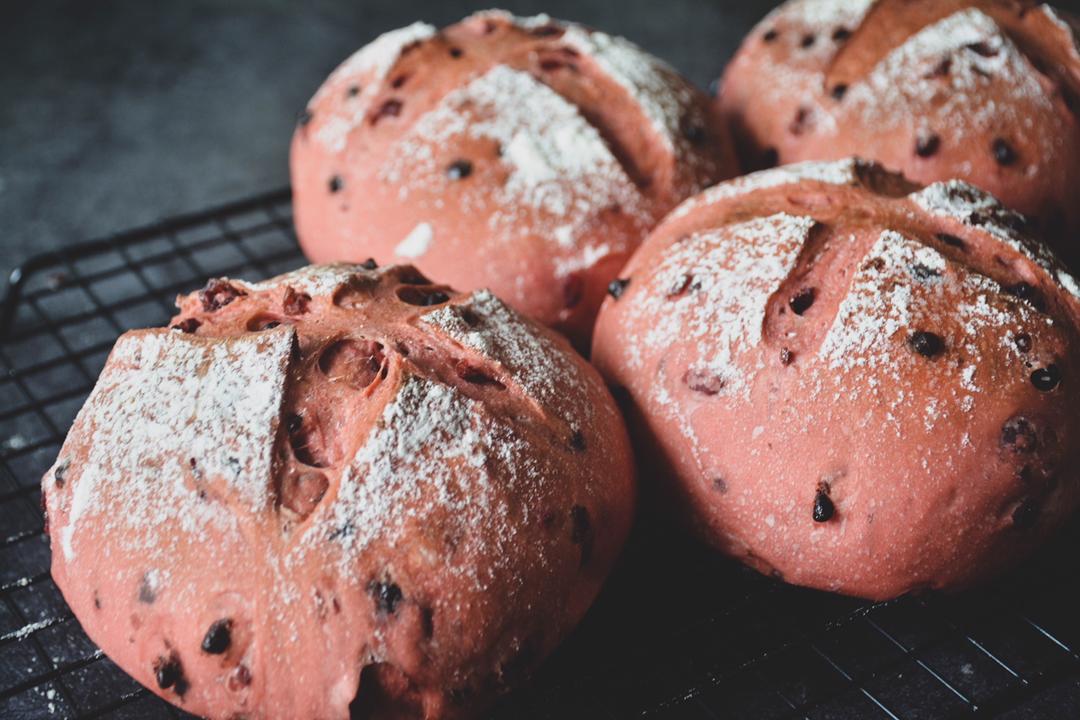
(526, 155)
(345, 485)
(850, 381)
(986, 91)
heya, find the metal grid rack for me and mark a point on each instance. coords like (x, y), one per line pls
(677, 633)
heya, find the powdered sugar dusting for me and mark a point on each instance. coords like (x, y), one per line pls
(370, 64)
(883, 94)
(836, 172)
(431, 452)
(561, 173)
(644, 77)
(878, 305)
(827, 14)
(532, 359)
(314, 280)
(162, 399)
(975, 208)
(734, 272)
(902, 287)
(526, 22)
(417, 242)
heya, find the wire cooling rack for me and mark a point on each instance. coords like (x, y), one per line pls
(678, 632)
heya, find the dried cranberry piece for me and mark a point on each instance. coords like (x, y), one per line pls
(1047, 378)
(581, 531)
(799, 124)
(548, 30)
(701, 381)
(824, 509)
(217, 294)
(60, 472)
(390, 108)
(295, 303)
(422, 297)
(927, 145)
(169, 673)
(387, 596)
(1018, 434)
(1003, 152)
(617, 286)
(187, 325)
(1028, 292)
(476, 375)
(952, 240)
(239, 678)
(459, 170)
(925, 343)
(218, 637)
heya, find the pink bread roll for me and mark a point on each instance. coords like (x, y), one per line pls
(851, 382)
(982, 90)
(525, 155)
(339, 486)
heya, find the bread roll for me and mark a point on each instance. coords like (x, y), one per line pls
(525, 155)
(852, 382)
(981, 90)
(342, 486)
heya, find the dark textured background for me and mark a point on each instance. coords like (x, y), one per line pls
(115, 113)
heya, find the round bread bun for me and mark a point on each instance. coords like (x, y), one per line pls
(986, 91)
(526, 155)
(339, 486)
(850, 382)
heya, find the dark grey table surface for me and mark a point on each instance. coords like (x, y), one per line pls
(116, 113)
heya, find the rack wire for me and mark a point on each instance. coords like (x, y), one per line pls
(678, 633)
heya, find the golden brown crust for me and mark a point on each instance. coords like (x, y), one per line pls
(525, 155)
(340, 482)
(857, 384)
(981, 90)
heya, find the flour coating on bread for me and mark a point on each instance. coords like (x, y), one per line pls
(164, 401)
(537, 152)
(985, 91)
(501, 336)
(365, 69)
(995, 60)
(558, 163)
(341, 486)
(850, 382)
